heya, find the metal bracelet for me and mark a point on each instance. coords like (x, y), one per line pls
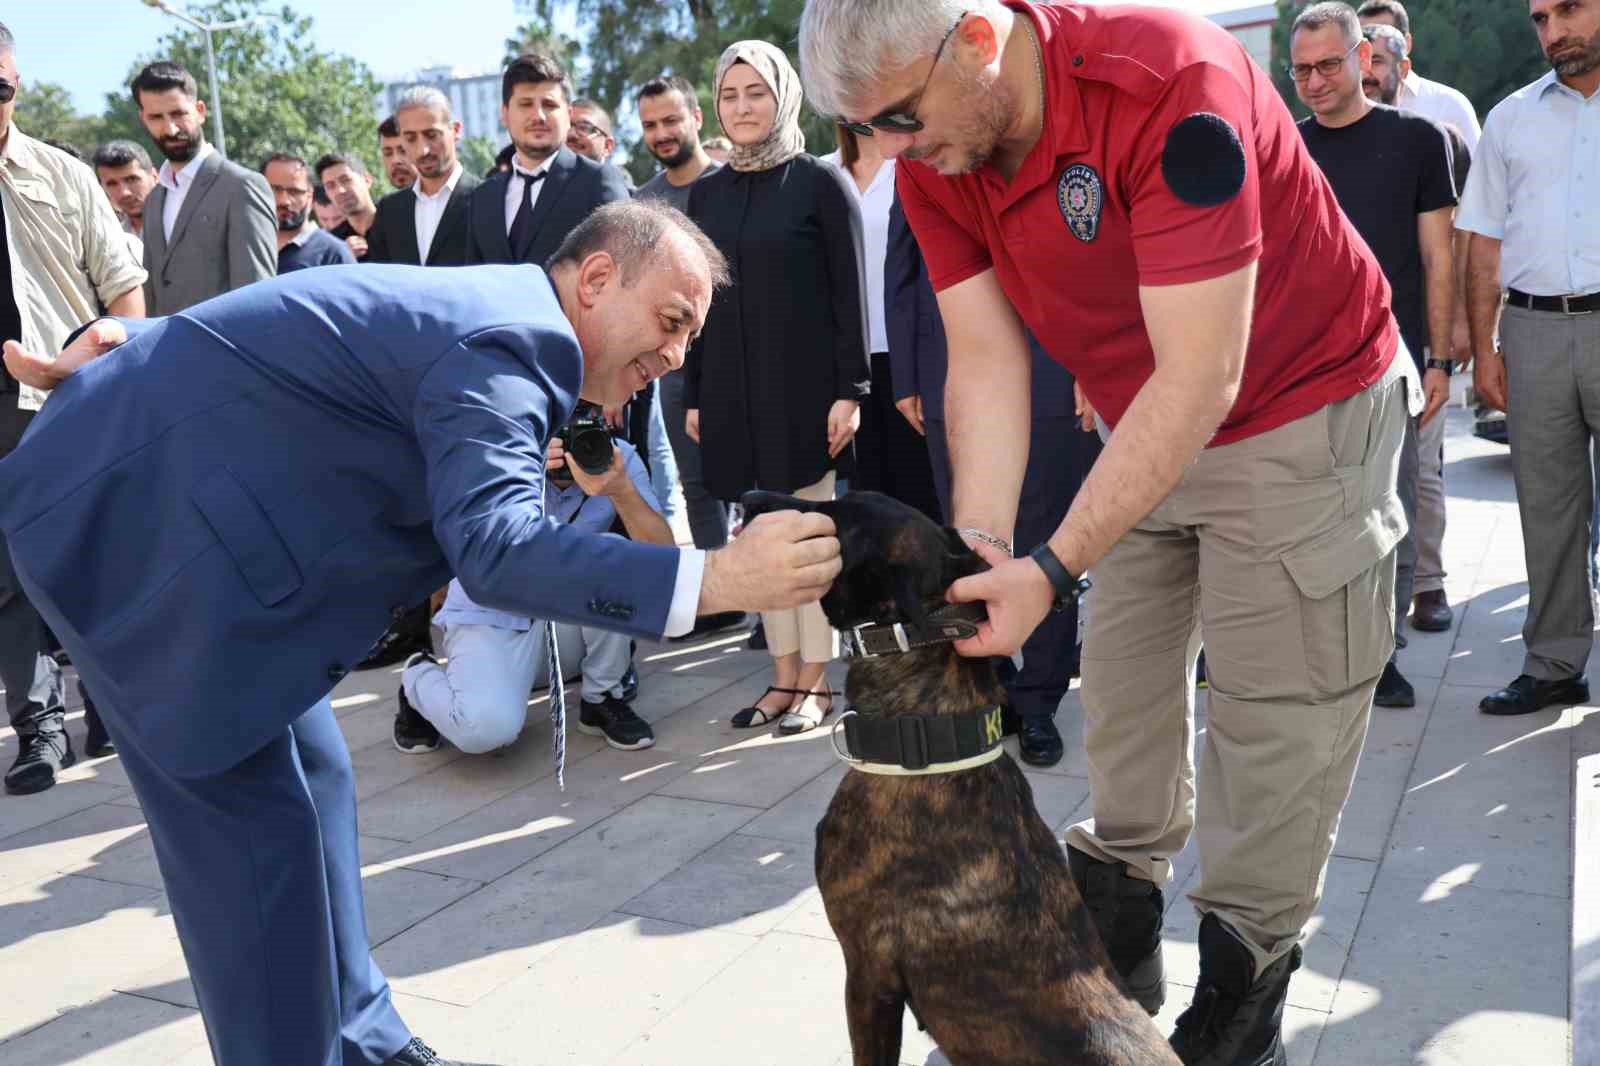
(988, 538)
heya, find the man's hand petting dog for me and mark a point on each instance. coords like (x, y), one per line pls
(45, 373)
(783, 559)
(1017, 595)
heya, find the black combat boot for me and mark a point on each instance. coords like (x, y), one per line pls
(1127, 914)
(1236, 1018)
(43, 750)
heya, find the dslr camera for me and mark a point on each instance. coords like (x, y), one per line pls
(586, 439)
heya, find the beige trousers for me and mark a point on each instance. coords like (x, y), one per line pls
(1281, 547)
(804, 629)
(1430, 506)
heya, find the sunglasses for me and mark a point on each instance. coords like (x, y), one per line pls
(900, 121)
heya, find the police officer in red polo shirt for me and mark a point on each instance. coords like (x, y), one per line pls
(1128, 183)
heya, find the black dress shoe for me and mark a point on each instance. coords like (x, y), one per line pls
(1430, 612)
(416, 1053)
(758, 639)
(1393, 689)
(1040, 742)
(1527, 694)
(712, 623)
(97, 743)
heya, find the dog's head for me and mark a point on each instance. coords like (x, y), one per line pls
(897, 562)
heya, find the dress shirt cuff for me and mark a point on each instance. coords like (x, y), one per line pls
(686, 592)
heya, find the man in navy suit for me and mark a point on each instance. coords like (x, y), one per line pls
(523, 214)
(223, 512)
(1059, 458)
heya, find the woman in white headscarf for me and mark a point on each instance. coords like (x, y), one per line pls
(773, 386)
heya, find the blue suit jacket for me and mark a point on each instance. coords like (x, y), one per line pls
(222, 513)
(573, 188)
(918, 356)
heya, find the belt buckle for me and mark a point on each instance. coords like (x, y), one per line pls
(1566, 307)
(859, 643)
(913, 742)
(900, 640)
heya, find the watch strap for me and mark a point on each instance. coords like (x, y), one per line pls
(1068, 587)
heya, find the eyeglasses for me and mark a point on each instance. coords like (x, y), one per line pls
(1326, 67)
(898, 121)
(589, 129)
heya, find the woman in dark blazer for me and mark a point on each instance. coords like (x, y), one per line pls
(773, 386)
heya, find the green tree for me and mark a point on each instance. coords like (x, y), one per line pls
(1485, 48)
(477, 155)
(280, 93)
(45, 110)
(539, 36)
(631, 41)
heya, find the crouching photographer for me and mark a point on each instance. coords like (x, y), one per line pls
(478, 698)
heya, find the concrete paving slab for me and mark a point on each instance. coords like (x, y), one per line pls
(664, 693)
(1393, 738)
(1452, 974)
(468, 950)
(1484, 805)
(497, 838)
(113, 1030)
(1585, 944)
(743, 884)
(758, 772)
(18, 814)
(66, 845)
(795, 818)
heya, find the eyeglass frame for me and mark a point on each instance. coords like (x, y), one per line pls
(899, 121)
(589, 129)
(1289, 68)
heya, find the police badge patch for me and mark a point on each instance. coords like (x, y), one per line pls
(1080, 195)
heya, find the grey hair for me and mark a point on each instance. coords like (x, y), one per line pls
(424, 96)
(632, 232)
(1392, 39)
(1331, 13)
(847, 45)
(7, 42)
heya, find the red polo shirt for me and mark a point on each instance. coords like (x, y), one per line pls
(1095, 212)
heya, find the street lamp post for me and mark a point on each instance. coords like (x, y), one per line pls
(206, 30)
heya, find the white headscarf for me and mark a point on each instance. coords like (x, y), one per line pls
(784, 141)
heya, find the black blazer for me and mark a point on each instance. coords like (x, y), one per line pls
(918, 356)
(393, 236)
(574, 186)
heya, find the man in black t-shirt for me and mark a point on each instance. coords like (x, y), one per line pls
(1391, 172)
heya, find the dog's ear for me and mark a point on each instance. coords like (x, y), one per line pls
(907, 599)
(760, 503)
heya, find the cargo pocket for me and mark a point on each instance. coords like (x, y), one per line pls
(1346, 581)
(248, 536)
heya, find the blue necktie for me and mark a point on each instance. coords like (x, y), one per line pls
(558, 707)
(522, 224)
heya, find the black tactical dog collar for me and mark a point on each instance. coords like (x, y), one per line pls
(915, 744)
(946, 623)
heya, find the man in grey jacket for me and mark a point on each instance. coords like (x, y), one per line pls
(210, 226)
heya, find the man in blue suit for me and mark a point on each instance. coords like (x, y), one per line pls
(1059, 458)
(221, 513)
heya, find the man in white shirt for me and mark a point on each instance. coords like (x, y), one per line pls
(1429, 99)
(427, 223)
(1530, 208)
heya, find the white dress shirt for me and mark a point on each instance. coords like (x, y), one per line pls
(1438, 102)
(430, 209)
(178, 183)
(1535, 187)
(514, 186)
(874, 204)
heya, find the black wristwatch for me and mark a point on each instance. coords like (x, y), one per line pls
(1067, 585)
(1447, 365)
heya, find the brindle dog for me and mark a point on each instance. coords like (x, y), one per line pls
(948, 892)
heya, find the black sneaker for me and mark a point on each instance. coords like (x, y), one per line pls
(44, 750)
(413, 734)
(97, 744)
(629, 685)
(614, 719)
(1393, 689)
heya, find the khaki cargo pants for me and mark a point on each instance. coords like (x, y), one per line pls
(1281, 549)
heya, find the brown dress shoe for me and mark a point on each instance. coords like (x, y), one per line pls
(1430, 612)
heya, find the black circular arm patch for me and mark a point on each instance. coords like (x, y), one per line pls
(1203, 160)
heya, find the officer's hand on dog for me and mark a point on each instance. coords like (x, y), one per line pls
(1017, 595)
(43, 373)
(778, 560)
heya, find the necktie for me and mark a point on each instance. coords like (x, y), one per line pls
(522, 223)
(558, 707)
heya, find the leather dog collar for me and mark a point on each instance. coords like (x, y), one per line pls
(946, 623)
(918, 744)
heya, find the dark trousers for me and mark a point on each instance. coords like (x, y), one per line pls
(891, 457)
(263, 874)
(1059, 457)
(708, 516)
(21, 631)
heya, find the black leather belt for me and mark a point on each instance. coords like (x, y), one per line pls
(1587, 304)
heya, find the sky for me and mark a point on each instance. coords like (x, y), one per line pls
(87, 45)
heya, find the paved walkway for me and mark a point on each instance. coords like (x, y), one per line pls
(662, 910)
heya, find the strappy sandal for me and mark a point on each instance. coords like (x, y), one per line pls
(748, 717)
(795, 722)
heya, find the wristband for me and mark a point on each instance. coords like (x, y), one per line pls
(1447, 365)
(1068, 587)
(988, 538)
